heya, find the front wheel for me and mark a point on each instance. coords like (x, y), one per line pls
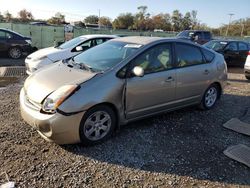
(210, 97)
(15, 53)
(247, 77)
(97, 125)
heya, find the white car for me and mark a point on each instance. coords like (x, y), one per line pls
(66, 50)
(247, 67)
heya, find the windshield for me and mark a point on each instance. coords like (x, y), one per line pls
(106, 55)
(216, 45)
(71, 43)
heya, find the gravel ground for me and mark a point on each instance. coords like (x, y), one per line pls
(178, 149)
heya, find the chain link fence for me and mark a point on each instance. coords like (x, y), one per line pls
(45, 36)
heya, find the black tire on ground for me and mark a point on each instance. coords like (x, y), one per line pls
(247, 77)
(15, 53)
(90, 116)
(205, 105)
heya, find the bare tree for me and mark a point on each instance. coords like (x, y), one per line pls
(8, 16)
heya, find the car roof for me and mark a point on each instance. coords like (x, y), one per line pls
(97, 36)
(13, 32)
(147, 40)
(228, 40)
(3, 29)
(197, 31)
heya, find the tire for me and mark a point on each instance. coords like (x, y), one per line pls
(247, 77)
(97, 125)
(15, 52)
(210, 97)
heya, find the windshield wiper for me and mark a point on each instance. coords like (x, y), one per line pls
(86, 67)
(72, 63)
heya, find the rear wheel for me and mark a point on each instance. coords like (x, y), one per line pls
(15, 53)
(97, 125)
(210, 97)
(247, 77)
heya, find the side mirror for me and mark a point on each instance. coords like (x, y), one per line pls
(79, 48)
(138, 71)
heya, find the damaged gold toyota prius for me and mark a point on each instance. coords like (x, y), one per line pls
(85, 98)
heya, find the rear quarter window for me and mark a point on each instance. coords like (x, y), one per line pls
(209, 56)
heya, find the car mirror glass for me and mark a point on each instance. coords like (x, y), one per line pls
(138, 71)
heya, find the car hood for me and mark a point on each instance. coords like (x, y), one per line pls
(40, 84)
(51, 52)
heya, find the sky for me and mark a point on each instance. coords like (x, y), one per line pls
(214, 13)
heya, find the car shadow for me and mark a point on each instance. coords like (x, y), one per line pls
(237, 70)
(237, 80)
(6, 61)
(187, 142)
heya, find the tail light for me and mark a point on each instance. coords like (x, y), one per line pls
(248, 52)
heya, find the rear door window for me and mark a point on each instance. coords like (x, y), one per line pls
(232, 46)
(243, 46)
(99, 41)
(187, 55)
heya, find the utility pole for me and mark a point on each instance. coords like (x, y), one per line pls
(230, 17)
(99, 13)
(242, 30)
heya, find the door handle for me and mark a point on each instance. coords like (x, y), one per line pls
(206, 72)
(169, 79)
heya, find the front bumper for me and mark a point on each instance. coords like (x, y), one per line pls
(247, 70)
(32, 66)
(52, 127)
(27, 49)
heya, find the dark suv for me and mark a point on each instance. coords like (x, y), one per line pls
(197, 36)
(14, 43)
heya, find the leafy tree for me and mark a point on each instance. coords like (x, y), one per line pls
(162, 21)
(58, 19)
(25, 16)
(105, 21)
(92, 19)
(124, 21)
(239, 27)
(186, 21)
(141, 18)
(176, 20)
(194, 18)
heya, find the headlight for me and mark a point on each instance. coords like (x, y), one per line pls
(28, 41)
(40, 58)
(55, 99)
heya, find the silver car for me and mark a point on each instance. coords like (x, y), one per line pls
(125, 79)
(69, 49)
